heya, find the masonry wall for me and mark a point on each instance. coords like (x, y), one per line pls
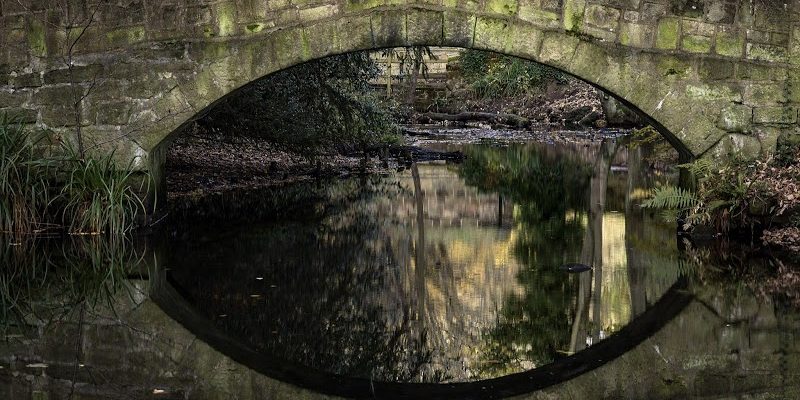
(719, 76)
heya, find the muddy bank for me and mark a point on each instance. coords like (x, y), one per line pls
(572, 105)
(201, 163)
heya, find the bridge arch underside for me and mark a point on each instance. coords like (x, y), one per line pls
(138, 85)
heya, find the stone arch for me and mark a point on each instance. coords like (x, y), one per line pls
(714, 79)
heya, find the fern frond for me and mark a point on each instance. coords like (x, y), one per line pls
(699, 168)
(671, 198)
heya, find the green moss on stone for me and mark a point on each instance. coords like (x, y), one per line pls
(730, 43)
(226, 19)
(775, 115)
(125, 36)
(696, 44)
(37, 41)
(255, 28)
(635, 35)
(668, 33)
(508, 7)
(765, 52)
(573, 14)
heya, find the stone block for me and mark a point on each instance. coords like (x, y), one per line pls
(691, 27)
(630, 16)
(761, 94)
(714, 69)
(459, 28)
(714, 92)
(602, 16)
(225, 18)
(317, 13)
(62, 116)
(766, 52)
(358, 5)
(77, 74)
(27, 80)
(389, 29)
(123, 37)
(425, 27)
(574, 11)
(504, 36)
(753, 72)
(557, 48)
(636, 35)
(13, 99)
(114, 113)
(600, 33)
(775, 115)
(56, 95)
(22, 115)
(652, 12)
(668, 33)
(735, 118)
(467, 5)
(730, 42)
(709, 384)
(538, 16)
(506, 7)
(696, 44)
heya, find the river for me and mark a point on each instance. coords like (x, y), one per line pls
(436, 281)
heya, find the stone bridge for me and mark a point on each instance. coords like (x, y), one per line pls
(714, 76)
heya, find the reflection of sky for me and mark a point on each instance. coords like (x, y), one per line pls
(470, 269)
(615, 307)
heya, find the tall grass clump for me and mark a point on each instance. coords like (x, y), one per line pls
(24, 172)
(98, 197)
(46, 187)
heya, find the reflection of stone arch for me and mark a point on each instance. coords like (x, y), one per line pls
(317, 384)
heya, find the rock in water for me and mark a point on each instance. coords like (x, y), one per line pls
(575, 268)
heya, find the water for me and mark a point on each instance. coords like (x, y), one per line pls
(438, 274)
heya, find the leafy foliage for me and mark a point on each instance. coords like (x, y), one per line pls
(310, 108)
(493, 75)
(723, 197)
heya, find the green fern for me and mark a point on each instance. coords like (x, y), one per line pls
(671, 198)
(699, 168)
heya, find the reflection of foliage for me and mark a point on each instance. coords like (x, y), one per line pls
(544, 185)
(46, 279)
(544, 188)
(324, 270)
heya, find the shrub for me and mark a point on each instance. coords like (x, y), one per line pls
(492, 75)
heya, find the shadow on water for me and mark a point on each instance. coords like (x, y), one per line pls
(442, 281)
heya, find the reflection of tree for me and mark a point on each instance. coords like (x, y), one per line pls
(327, 309)
(592, 252)
(549, 193)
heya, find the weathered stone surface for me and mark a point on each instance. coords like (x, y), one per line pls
(699, 68)
(736, 118)
(775, 115)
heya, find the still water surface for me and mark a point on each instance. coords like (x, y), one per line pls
(439, 273)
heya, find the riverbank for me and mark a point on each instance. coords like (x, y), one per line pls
(200, 162)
